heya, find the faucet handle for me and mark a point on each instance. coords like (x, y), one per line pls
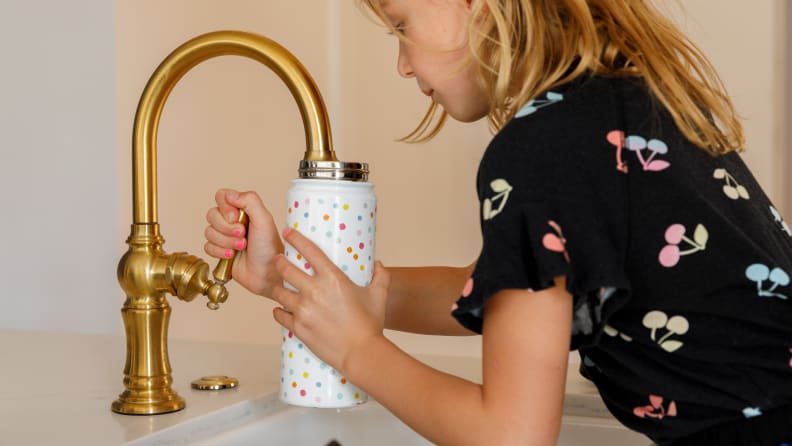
(222, 272)
(217, 294)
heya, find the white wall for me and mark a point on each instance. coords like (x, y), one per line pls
(68, 93)
(58, 166)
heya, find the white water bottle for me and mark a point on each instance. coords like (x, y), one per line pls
(333, 205)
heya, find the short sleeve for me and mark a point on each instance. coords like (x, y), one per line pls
(552, 206)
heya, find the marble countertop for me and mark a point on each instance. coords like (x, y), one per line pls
(59, 386)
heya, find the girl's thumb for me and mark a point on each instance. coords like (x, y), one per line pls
(381, 276)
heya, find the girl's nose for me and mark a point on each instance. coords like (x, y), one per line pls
(402, 65)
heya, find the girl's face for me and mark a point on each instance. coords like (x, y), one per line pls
(434, 50)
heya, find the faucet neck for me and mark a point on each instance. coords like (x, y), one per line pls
(178, 63)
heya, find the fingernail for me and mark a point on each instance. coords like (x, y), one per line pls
(231, 217)
(286, 231)
(228, 254)
(240, 244)
(237, 232)
(232, 195)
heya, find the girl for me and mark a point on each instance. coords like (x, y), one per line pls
(617, 219)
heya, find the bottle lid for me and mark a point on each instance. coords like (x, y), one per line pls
(333, 170)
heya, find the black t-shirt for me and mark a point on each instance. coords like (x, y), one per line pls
(678, 263)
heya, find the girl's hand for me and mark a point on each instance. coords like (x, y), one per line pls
(258, 244)
(332, 315)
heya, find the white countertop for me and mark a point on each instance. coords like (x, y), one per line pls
(59, 386)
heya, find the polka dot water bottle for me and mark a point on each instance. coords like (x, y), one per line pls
(333, 205)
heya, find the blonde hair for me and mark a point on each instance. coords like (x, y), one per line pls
(522, 48)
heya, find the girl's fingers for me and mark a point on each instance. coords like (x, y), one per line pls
(285, 297)
(284, 318)
(315, 256)
(220, 221)
(297, 277)
(251, 203)
(225, 204)
(380, 277)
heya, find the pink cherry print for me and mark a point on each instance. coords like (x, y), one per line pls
(656, 401)
(553, 243)
(468, 288)
(616, 137)
(674, 233)
(672, 409)
(643, 411)
(669, 256)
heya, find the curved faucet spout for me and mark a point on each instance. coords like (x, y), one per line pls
(146, 273)
(312, 108)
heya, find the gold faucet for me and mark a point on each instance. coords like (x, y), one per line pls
(145, 272)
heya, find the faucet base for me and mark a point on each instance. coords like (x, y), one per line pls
(143, 403)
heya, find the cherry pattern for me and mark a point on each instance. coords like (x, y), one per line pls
(675, 325)
(780, 221)
(638, 144)
(555, 241)
(674, 235)
(656, 409)
(502, 189)
(731, 187)
(760, 273)
(535, 104)
(612, 332)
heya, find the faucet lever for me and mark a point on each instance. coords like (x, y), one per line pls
(222, 272)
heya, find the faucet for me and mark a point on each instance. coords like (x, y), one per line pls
(145, 272)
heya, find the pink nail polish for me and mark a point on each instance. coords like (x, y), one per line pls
(228, 254)
(237, 233)
(286, 231)
(240, 244)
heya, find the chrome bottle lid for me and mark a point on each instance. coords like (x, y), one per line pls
(334, 170)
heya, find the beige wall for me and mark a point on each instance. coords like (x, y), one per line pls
(69, 97)
(230, 122)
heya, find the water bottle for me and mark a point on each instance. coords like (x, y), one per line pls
(332, 204)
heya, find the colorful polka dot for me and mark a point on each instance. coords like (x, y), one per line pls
(305, 379)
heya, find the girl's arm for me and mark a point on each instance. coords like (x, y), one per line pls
(520, 402)
(526, 344)
(420, 299)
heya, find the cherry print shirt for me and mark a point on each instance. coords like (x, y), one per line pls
(678, 263)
